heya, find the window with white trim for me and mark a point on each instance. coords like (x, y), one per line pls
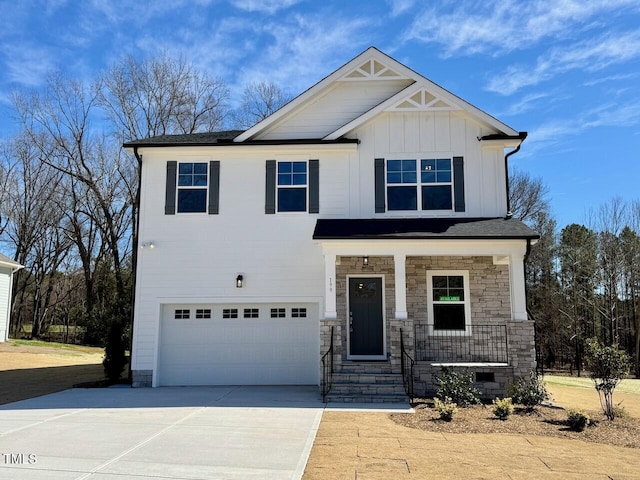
(299, 312)
(448, 301)
(182, 314)
(278, 312)
(203, 313)
(426, 184)
(192, 187)
(292, 187)
(251, 313)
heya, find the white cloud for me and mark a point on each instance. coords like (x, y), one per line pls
(264, 6)
(398, 7)
(306, 48)
(590, 55)
(527, 103)
(500, 26)
(28, 65)
(613, 115)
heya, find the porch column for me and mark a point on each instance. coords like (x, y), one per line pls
(400, 260)
(518, 299)
(330, 312)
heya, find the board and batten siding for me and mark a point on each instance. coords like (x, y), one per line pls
(340, 105)
(5, 287)
(406, 135)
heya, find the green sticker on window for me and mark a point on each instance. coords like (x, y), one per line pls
(455, 298)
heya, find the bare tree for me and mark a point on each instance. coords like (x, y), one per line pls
(161, 96)
(527, 195)
(259, 100)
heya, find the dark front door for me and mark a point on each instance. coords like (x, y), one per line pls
(365, 317)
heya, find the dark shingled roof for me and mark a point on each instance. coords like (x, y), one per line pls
(222, 138)
(423, 228)
(205, 138)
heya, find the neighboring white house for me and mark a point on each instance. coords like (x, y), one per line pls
(368, 212)
(7, 269)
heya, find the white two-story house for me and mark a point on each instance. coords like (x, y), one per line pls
(357, 234)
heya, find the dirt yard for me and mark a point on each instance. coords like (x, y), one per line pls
(28, 371)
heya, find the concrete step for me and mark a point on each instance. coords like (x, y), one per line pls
(366, 389)
(365, 368)
(369, 378)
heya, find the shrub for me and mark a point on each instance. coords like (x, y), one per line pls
(528, 391)
(608, 365)
(115, 348)
(577, 420)
(502, 408)
(458, 387)
(445, 408)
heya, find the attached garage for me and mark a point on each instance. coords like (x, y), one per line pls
(242, 344)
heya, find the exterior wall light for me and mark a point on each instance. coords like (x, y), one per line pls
(239, 281)
(365, 261)
(148, 245)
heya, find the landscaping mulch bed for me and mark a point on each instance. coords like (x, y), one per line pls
(544, 421)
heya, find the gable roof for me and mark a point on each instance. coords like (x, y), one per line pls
(372, 64)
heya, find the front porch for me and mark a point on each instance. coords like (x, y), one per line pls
(420, 294)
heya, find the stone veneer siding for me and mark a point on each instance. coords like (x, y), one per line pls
(141, 378)
(490, 304)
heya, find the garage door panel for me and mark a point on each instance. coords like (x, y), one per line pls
(240, 351)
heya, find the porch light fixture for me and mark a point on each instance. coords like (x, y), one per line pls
(148, 245)
(365, 261)
(239, 281)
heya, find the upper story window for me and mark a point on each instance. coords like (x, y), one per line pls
(426, 183)
(292, 186)
(192, 187)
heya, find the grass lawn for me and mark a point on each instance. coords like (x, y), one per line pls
(628, 385)
(30, 368)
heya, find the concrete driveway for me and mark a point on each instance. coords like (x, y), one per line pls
(161, 433)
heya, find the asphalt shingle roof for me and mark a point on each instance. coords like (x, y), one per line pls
(423, 228)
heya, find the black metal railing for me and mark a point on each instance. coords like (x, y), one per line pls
(482, 343)
(406, 365)
(327, 369)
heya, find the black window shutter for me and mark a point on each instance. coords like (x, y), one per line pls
(314, 186)
(379, 185)
(170, 194)
(214, 187)
(458, 184)
(270, 196)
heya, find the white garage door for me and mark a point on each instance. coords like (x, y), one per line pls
(239, 344)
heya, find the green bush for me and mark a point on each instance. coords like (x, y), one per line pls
(458, 387)
(528, 391)
(608, 365)
(502, 408)
(446, 408)
(115, 352)
(577, 420)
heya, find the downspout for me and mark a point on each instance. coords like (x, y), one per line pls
(134, 259)
(523, 135)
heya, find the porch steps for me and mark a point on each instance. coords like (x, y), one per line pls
(353, 387)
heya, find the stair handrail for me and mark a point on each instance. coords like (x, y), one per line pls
(327, 370)
(406, 366)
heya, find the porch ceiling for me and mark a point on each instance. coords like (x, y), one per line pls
(423, 228)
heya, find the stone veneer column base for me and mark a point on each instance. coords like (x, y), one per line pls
(141, 378)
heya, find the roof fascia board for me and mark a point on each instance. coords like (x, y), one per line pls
(431, 247)
(271, 147)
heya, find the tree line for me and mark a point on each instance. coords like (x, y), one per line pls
(69, 210)
(69, 192)
(582, 281)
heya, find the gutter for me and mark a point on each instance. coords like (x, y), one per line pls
(521, 136)
(134, 260)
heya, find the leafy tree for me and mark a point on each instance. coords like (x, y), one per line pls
(608, 366)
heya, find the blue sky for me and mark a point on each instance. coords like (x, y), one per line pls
(567, 72)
